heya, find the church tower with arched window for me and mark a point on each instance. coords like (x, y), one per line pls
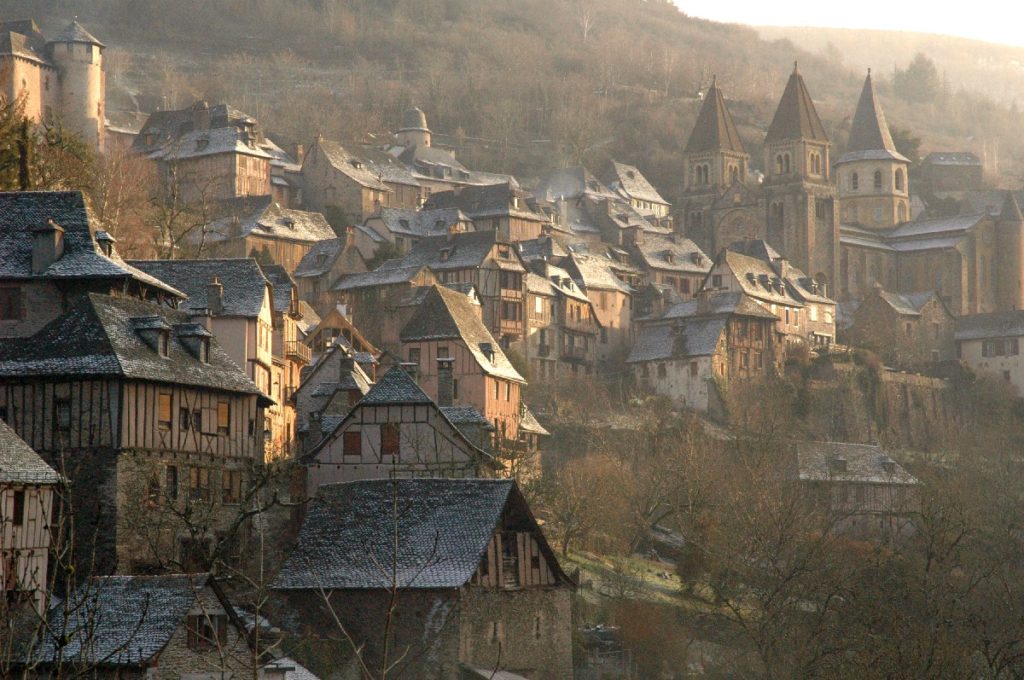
(801, 206)
(717, 206)
(872, 176)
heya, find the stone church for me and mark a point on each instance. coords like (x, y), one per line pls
(847, 223)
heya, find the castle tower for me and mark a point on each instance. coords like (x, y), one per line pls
(802, 210)
(414, 130)
(1010, 255)
(872, 177)
(79, 60)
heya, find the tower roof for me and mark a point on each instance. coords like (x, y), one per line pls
(75, 32)
(1011, 211)
(869, 135)
(414, 119)
(714, 130)
(796, 117)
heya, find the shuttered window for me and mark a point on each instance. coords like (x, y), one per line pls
(390, 439)
(353, 444)
(223, 417)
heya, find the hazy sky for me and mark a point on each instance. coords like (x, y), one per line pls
(991, 20)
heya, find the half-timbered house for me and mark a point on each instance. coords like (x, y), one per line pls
(477, 585)
(27, 487)
(145, 414)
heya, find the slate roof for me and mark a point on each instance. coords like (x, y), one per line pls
(381, 276)
(395, 387)
(292, 669)
(119, 620)
(796, 117)
(75, 32)
(19, 464)
(349, 164)
(714, 129)
(443, 526)
(426, 222)
(952, 158)
(864, 464)
(869, 133)
(243, 281)
(596, 272)
(199, 143)
(268, 219)
(98, 336)
(23, 211)
(466, 415)
(320, 258)
(552, 280)
(310, 319)
(22, 38)
(907, 304)
(529, 423)
(164, 127)
(672, 253)
(387, 168)
(445, 314)
(992, 325)
(282, 285)
(722, 302)
(483, 201)
(757, 266)
(679, 339)
(544, 247)
(464, 250)
(629, 182)
(570, 183)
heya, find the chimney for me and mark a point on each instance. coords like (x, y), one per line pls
(300, 153)
(235, 227)
(347, 363)
(215, 297)
(106, 242)
(201, 116)
(350, 237)
(783, 269)
(703, 301)
(47, 246)
(445, 381)
(316, 430)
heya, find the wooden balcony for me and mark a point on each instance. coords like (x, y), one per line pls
(298, 351)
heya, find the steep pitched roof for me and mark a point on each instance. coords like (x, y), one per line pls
(267, 219)
(198, 143)
(19, 464)
(443, 526)
(320, 258)
(349, 164)
(395, 387)
(426, 222)
(283, 284)
(99, 336)
(629, 182)
(463, 250)
(672, 252)
(907, 304)
(118, 620)
(75, 32)
(864, 463)
(482, 201)
(680, 339)
(796, 117)
(724, 302)
(714, 130)
(243, 281)
(597, 272)
(21, 212)
(869, 134)
(447, 314)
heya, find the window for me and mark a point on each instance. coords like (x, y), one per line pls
(442, 352)
(352, 444)
(496, 388)
(455, 388)
(536, 626)
(18, 517)
(164, 411)
(785, 164)
(854, 181)
(199, 484)
(716, 280)
(758, 360)
(231, 487)
(223, 417)
(662, 371)
(878, 179)
(414, 355)
(10, 303)
(899, 179)
(184, 418)
(693, 369)
(538, 306)
(909, 328)
(153, 493)
(390, 439)
(171, 482)
(508, 391)
(62, 411)
(206, 632)
(162, 343)
(684, 286)
(744, 359)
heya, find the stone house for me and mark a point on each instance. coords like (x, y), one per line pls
(865, 492)
(485, 261)
(630, 184)
(562, 327)
(61, 79)
(145, 413)
(324, 265)
(612, 298)
(27, 514)
(700, 349)
(51, 254)
(404, 227)
(951, 171)
(505, 209)
(153, 627)
(479, 590)
(806, 316)
(206, 154)
(447, 325)
(991, 343)
(906, 330)
(261, 228)
(232, 299)
(334, 177)
(377, 302)
(394, 431)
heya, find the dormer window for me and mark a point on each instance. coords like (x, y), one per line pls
(202, 143)
(404, 224)
(445, 254)
(163, 343)
(357, 164)
(204, 350)
(289, 222)
(670, 257)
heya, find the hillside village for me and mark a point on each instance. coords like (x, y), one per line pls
(337, 409)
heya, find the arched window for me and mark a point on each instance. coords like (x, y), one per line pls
(878, 179)
(734, 174)
(854, 181)
(778, 164)
(899, 179)
(785, 164)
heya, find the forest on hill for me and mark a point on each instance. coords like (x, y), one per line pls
(520, 86)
